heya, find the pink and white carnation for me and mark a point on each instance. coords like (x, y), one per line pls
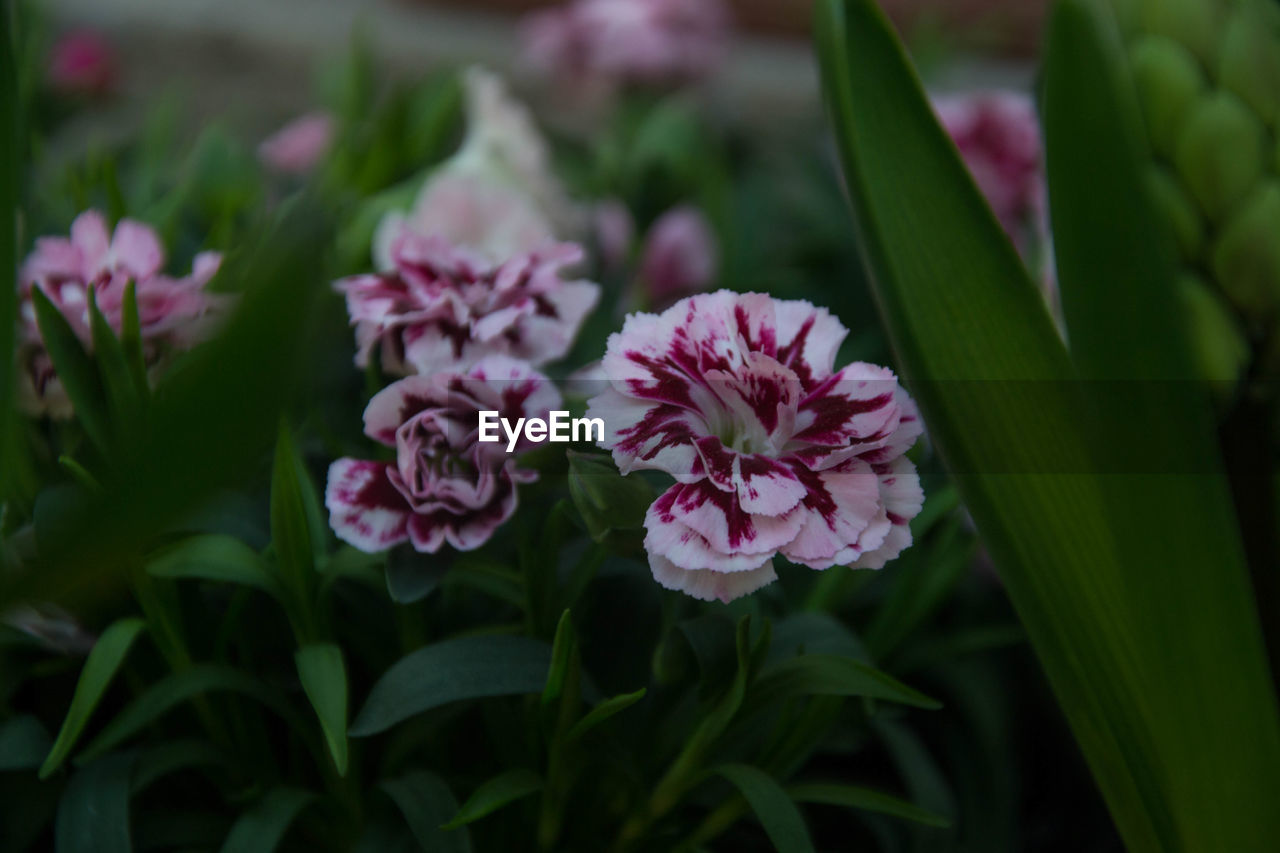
(772, 449)
(628, 41)
(497, 195)
(174, 314)
(443, 307)
(444, 485)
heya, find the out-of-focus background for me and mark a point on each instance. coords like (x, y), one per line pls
(252, 62)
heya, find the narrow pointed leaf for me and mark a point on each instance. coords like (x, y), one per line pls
(117, 378)
(426, 803)
(412, 576)
(604, 711)
(779, 816)
(865, 799)
(496, 793)
(451, 671)
(93, 813)
(261, 829)
(75, 370)
(831, 675)
(100, 668)
(324, 678)
(176, 689)
(214, 557)
(291, 519)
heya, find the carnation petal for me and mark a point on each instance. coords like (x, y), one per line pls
(708, 585)
(365, 509)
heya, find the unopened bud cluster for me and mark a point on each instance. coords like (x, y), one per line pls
(1208, 78)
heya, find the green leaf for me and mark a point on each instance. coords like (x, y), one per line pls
(93, 814)
(324, 678)
(865, 799)
(261, 829)
(496, 793)
(166, 758)
(426, 803)
(75, 370)
(100, 668)
(1128, 630)
(214, 557)
(11, 168)
(117, 377)
(175, 689)
(779, 816)
(831, 675)
(451, 671)
(604, 711)
(412, 576)
(24, 743)
(563, 657)
(292, 520)
(131, 339)
(606, 500)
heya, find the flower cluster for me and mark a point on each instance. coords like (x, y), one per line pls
(468, 298)
(773, 451)
(444, 484)
(628, 41)
(173, 313)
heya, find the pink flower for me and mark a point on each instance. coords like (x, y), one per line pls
(445, 308)
(82, 63)
(998, 135)
(173, 314)
(773, 451)
(679, 255)
(297, 147)
(628, 41)
(614, 231)
(444, 485)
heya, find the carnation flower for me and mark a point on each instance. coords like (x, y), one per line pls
(444, 484)
(82, 63)
(679, 255)
(173, 314)
(496, 196)
(628, 41)
(998, 135)
(444, 308)
(297, 147)
(773, 451)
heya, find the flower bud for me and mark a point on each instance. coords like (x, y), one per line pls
(1173, 202)
(1169, 81)
(1218, 344)
(1250, 61)
(1219, 152)
(1246, 257)
(1196, 24)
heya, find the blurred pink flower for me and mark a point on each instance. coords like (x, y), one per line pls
(443, 307)
(628, 41)
(680, 255)
(82, 63)
(444, 485)
(497, 195)
(614, 231)
(296, 148)
(173, 314)
(773, 451)
(998, 135)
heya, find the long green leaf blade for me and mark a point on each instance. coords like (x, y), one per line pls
(779, 816)
(324, 679)
(93, 814)
(450, 671)
(262, 828)
(494, 794)
(426, 803)
(214, 557)
(100, 668)
(865, 799)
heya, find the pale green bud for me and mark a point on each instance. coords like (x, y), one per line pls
(1220, 152)
(1173, 202)
(1250, 59)
(1246, 257)
(1169, 80)
(1194, 23)
(1218, 344)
